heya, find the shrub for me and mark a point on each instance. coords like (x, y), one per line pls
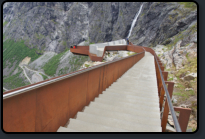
(52, 65)
(190, 5)
(86, 65)
(5, 23)
(44, 77)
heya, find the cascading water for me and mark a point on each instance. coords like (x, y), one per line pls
(134, 21)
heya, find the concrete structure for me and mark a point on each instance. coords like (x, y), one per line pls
(129, 105)
(98, 48)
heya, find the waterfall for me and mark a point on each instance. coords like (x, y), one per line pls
(134, 21)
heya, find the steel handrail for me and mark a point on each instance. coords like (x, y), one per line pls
(176, 123)
(23, 90)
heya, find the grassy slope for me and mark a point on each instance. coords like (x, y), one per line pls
(76, 61)
(16, 51)
(52, 65)
(44, 76)
(15, 81)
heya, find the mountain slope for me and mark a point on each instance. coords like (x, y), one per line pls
(44, 31)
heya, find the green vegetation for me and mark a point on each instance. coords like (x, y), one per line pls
(5, 23)
(129, 53)
(190, 5)
(39, 36)
(175, 40)
(193, 28)
(64, 43)
(52, 65)
(15, 81)
(170, 79)
(86, 65)
(181, 35)
(63, 71)
(44, 77)
(190, 65)
(193, 129)
(184, 94)
(16, 52)
(77, 62)
(54, 21)
(120, 13)
(142, 14)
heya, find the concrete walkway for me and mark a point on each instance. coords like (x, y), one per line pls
(130, 104)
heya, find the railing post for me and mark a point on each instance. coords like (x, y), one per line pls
(162, 88)
(166, 107)
(183, 117)
(162, 92)
(165, 75)
(159, 81)
(162, 68)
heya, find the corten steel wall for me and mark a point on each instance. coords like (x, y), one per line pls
(81, 50)
(85, 50)
(48, 107)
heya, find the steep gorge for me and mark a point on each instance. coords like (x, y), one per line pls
(48, 29)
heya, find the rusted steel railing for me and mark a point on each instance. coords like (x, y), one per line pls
(84, 50)
(162, 88)
(47, 105)
(181, 123)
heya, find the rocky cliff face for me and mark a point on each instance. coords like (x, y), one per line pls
(160, 21)
(55, 26)
(52, 27)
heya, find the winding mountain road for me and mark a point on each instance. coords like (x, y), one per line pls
(25, 74)
(5, 89)
(38, 72)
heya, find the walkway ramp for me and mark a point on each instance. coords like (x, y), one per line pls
(98, 48)
(131, 104)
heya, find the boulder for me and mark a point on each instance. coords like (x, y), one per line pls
(188, 89)
(174, 100)
(175, 78)
(190, 76)
(170, 129)
(187, 84)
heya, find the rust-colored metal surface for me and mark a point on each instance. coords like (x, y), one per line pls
(52, 106)
(165, 75)
(19, 113)
(161, 98)
(77, 93)
(85, 50)
(48, 107)
(159, 80)
(162, 68)
(183, 117)
(166, 107)
(81, 51)
(93, 84)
